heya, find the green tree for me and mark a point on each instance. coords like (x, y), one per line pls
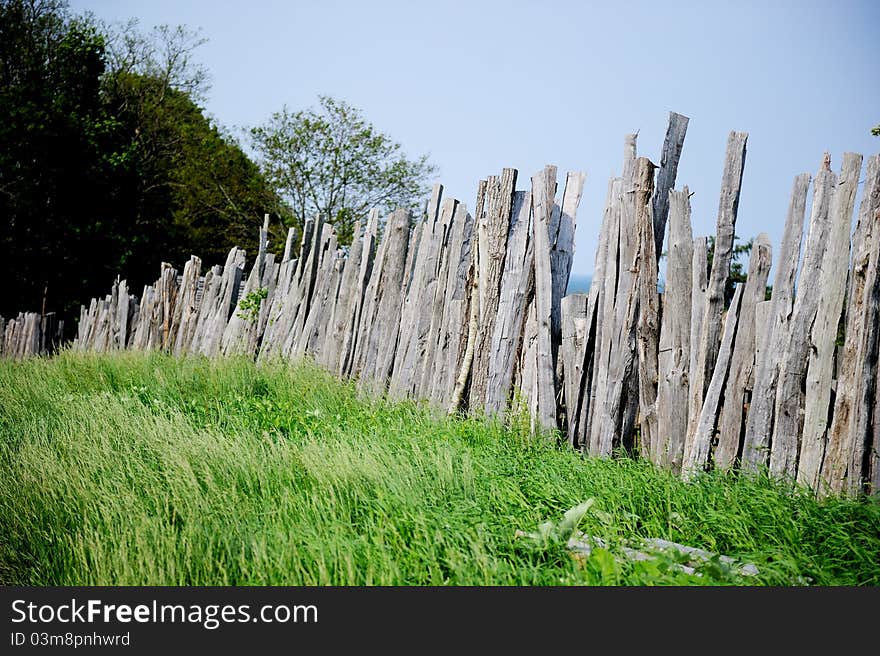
(332, 162)
(189, 186)
(876, 130)
(51, 65)
(738, 265)
(107, 162)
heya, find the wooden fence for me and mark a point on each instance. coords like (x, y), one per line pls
(468, 311)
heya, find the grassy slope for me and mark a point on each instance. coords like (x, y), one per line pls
(147, 470)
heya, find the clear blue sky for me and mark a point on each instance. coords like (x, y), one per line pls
(483, 85)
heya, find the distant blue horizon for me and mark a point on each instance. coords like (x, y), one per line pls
(579, 283)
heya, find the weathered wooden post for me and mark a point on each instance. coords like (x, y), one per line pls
(710, 332)
(543, 194)
(743, 357)
(574, 336)
(666, 174)
(759, 422)
(697, 449)
(675, 334)
(823, 334)
(648, 326)
(510, 316)
(788, 417)
(853, 436)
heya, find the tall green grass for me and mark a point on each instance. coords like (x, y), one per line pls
(139, 469)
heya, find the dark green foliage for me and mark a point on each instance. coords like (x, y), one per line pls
(50, 71)
(107, 163)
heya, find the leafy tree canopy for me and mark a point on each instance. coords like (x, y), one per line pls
(331, 161)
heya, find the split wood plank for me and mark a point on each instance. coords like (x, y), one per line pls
(788, 411)
(850, 439)
(648, 323)
(438, 385)
(605, 284)
(543, 194)
(340, 319)
(710, 334)
(823, 334)
(675, 333)
(418, 305)
(494, 229)
(422, 380)
(673, 143)
(510, 317)
(742, 360)
(381, 324)
(697, 450)
(356, 306)
(759, 423)
(574, 337)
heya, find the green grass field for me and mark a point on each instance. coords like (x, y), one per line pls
(146, 470)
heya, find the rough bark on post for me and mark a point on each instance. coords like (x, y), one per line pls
(468, 335)
(823, 334)
(574, 334)
(710, 334)
(510, 317)
(368, 253)
(495, 230)
(595, 301)
(788, 411)
(223, 303)
(543, 194)
(763, 314)
(562, 244)
(759, 423)
(326, 288)
(675, 333)
(743, 358)
(669, 158)
(648, 327)
(415, 319)
(288, 245)
(440, 375)
(850, 436)
(377, 357)
(187, 310)
(699, 283)
(614, 424)
(430, 348)
(605, 283)
(340, 318)
(168, 297)
(697, 450)
(308, 285)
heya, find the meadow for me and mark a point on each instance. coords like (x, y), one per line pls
(142, 469)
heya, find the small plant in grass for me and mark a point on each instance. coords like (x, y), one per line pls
(249, 306)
